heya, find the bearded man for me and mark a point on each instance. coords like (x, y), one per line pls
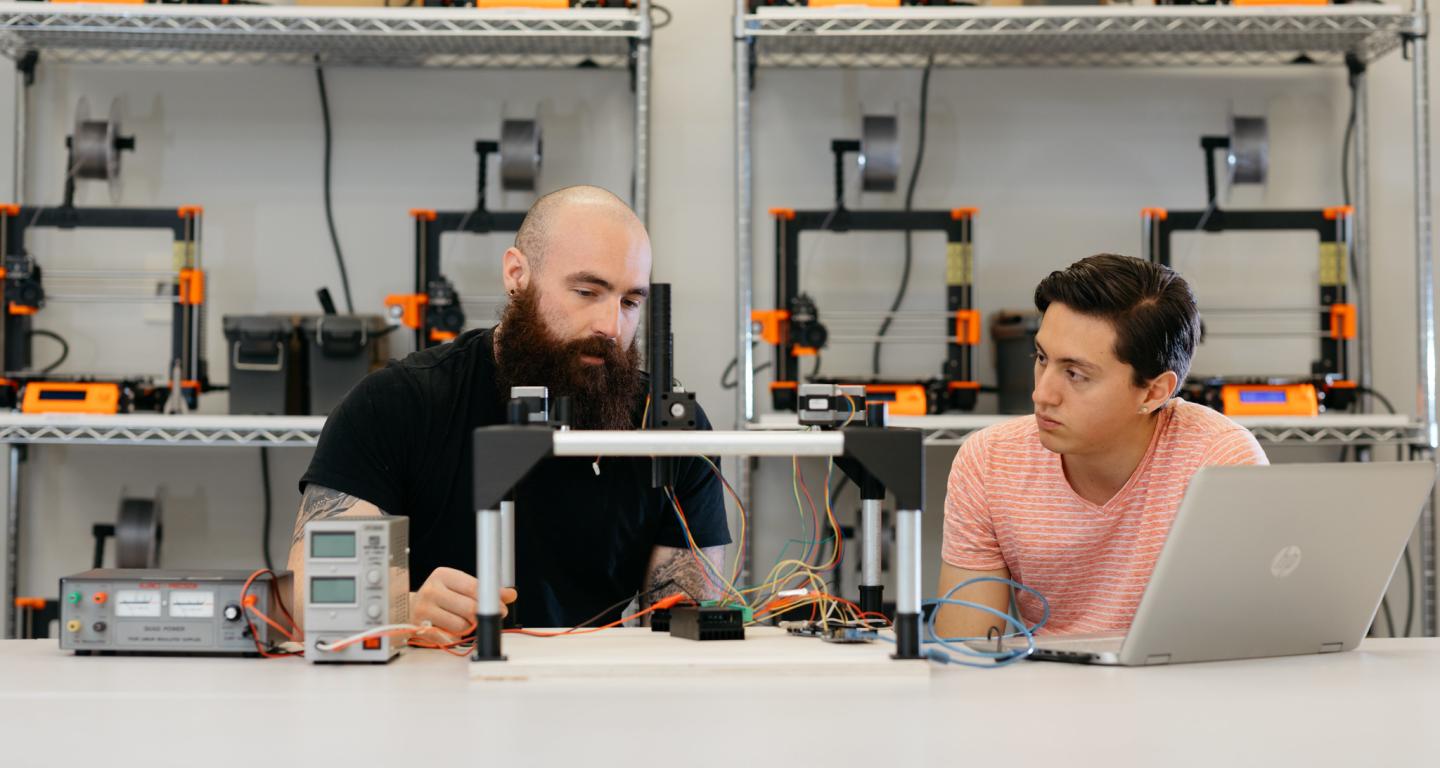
(589, 533)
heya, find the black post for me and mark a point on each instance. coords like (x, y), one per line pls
(877, 414)
(660, 354)
(907, 636)
(560, 418)
(484, 149)
(69, 173)
(840, 147)
(1210, 144)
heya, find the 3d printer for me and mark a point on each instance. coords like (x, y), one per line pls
(94, 152)
(435, 310)
(1329, 385)
(794, 325)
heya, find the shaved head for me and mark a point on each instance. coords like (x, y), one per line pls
(581, 263)
(548, 216)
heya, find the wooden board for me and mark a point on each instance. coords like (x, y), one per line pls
(636, 652)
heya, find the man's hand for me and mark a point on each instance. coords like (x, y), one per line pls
(447, 600)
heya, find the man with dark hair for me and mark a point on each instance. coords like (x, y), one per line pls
(589, 533)
(1077, 501)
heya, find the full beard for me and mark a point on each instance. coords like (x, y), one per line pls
(601, 396)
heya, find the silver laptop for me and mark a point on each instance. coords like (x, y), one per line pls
(1267, 561)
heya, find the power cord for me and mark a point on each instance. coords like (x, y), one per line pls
(1351, 80)
(909, 206)
(329, 208)
(64, 349)
(622, 603)
(728, 383)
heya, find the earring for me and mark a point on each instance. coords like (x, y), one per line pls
(1143, 409)
(512, 291)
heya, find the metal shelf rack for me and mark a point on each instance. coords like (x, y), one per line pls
(389, 37)
(1338, 429)
(1073, 36)
(225, 35)
(1168, 36)
(136, 429)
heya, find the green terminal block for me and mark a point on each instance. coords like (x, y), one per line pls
(747, 614)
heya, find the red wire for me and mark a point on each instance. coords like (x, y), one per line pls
(255, 636)
(663, 603)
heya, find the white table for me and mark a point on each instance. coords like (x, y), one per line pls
(1376, 706)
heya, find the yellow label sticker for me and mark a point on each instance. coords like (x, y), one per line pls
(959, 263)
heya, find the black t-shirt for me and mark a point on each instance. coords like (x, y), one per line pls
(402, 440)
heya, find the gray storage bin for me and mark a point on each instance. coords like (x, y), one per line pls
(339, 351)
(1014, 337)
(261, 354)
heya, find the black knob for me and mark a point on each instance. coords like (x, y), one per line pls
(98, 626)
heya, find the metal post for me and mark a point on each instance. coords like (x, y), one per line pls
(872, 496)
(871, 590)
(744, 270)
(487, 575)
(642, 116)
(907, 582)
(22, 136)
(507, 543)
(1425, 289)
(744, 265)
(12, 539)
(1360, 251)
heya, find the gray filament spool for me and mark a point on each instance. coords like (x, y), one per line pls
(879, 153)
(519, 155)
(137, 534)
(1249, 156)
(94, 144)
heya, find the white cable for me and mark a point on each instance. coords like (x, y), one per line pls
(355, 638)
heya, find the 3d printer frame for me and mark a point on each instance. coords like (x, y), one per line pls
(1330, 372)
(957, 387)
(24, 296)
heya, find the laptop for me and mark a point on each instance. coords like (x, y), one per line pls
(1266, 561)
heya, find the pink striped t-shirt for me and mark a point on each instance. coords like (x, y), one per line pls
(1008, 505)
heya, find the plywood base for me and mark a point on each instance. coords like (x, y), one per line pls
(636, 653)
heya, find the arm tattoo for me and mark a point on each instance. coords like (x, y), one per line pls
(321, 503)
(683, 574)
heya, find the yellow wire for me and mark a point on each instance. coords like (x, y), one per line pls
(694, 548)
(785, 573)
(735, 570)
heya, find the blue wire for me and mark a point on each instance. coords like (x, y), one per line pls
(1002, 658)
(951, 653)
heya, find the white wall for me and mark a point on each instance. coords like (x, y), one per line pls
(1059, 163)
